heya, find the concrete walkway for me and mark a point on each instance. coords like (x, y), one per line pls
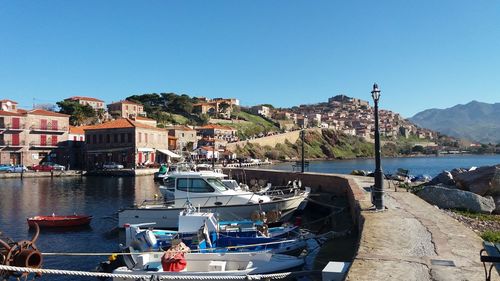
(413, 240)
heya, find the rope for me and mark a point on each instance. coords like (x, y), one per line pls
(324, 218)
(275, 276)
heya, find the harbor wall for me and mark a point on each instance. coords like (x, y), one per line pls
(336, 184)
(31, 174)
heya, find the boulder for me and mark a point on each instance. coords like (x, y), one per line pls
(448, 198)
(483, 180)
(497, 203)
(444, 177)
(455, 172)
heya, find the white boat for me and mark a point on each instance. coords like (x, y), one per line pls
(211, 264)
(206, 191)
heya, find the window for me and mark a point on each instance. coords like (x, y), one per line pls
(81, 138)
(140, 137)
(130, 137)
(108, 138)
(194, 185)
(94, 139)
(100, 138)
(182, 135)
(122, 137)
(218, 184)
(74, 138)
(115, 138)
(146, 137)
(126, 107)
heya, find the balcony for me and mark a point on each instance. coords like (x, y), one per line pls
(49, 129)
(8, 143)
(43, 144)
(10, 127)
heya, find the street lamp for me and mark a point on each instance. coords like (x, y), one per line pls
(378, 190)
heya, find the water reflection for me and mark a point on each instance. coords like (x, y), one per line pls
(100, 197)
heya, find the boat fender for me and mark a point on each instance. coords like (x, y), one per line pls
(255, 216)
(273, 216)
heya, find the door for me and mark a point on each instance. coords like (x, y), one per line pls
(54, 140)
(140, 158)
(43, 140)
(15, 123)
(15, 158)
(43, 124)
(54, 125)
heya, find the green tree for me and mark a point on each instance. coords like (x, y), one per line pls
(223, 107)
(79, 114)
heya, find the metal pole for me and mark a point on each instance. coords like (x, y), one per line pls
(22, 165)
(303, 162)
(378, 191)
(213, 156)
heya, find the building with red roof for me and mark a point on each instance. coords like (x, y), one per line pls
(126, 109)
(29, 137)
(96, 104)
(127, 142)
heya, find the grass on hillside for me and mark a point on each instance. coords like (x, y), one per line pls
(254, 127)
(179, 119)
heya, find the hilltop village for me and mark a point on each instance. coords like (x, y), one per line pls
(146, 130)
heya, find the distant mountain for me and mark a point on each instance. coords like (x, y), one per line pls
(477, 121)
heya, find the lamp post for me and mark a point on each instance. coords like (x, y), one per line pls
(378, 190)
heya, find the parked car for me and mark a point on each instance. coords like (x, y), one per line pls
(4, 167)
(48, 166)
(17, 169)
(112, 165)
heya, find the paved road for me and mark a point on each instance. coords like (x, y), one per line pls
(413, 240)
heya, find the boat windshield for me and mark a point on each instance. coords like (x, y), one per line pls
(217, 183)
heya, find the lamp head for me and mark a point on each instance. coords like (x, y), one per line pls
(375, 92)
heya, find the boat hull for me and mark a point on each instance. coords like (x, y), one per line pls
(59, 221)
(168, 217)
(199, 265)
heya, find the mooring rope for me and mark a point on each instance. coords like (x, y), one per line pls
(275, 276)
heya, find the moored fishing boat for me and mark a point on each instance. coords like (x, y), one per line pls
(208, 264)
(219, 236)
(59, 221)
(206, 191)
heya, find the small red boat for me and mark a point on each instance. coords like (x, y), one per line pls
(59, 221)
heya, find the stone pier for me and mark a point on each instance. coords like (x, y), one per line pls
(410, 240)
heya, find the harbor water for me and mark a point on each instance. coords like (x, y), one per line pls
(101, 197)
(431, 166)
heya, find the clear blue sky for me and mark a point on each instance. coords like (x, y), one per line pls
(424, 54)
